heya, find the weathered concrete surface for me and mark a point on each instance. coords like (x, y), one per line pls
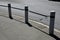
(14, 30)
(40, 6)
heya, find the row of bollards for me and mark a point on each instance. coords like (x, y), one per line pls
(52, 18)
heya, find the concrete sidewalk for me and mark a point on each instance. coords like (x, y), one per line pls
(36, 25)
(14, 30)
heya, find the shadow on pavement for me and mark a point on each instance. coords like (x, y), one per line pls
(18, 20)
(12, 18)
(29, 24)
(54, 36)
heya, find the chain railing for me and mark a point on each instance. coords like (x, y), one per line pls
(52, 16)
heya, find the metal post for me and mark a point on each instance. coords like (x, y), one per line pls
(52, 21)
(9, 11)
(26, 14)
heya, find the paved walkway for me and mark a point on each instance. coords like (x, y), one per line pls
(40, 6)
(14, 30)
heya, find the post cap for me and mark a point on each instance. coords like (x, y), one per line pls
(52, 11)
(52, 15)
(26, 5)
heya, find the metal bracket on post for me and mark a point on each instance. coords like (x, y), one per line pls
(52, 21)
(26, 14)
(9, 11)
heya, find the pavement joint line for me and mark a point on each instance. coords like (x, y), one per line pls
(41, 24)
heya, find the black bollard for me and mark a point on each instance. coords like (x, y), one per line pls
(9, 11)
(52, 21)
(26, 14)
